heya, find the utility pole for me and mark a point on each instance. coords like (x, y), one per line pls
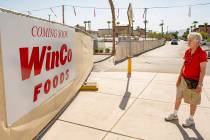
(63, 14)
(162, 27)
(49, 17)
(145, 23)
(132, 27)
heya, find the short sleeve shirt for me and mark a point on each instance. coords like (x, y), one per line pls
(192, 63)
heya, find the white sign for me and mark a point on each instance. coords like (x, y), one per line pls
(38, 61)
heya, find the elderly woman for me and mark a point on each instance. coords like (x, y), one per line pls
(190, 81)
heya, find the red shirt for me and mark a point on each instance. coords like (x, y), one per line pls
(192, 63)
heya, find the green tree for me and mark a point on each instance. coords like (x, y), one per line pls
(195, 24)
(191, 28)
(175, 34)
(184, 36)
(155, 35)
(204, 35)
(206, 27)
(145, 27)
(161, 25)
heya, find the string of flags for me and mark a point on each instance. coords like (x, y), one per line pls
(29, 12)
(53, 12)
(94, 12)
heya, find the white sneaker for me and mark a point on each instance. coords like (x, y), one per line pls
(188, 123)
(171, 117)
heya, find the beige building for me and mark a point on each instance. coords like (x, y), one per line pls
(203, 28)
(120, 31)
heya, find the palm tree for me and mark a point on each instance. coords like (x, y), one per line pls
(206, 27)
(89, 24)
(191, 28)
(194, 24)
(108, 22)
(138, 29)
(85, 22)
(132, 27)
(145, 27)
(161, 25)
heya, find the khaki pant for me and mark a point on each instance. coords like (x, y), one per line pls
(189, 95)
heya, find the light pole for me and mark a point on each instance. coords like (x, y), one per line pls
(162, 27)
(49, 17)
(145, 22)
(89, 25)
(113, 26)
(108, 22)
(85, 22)
(132, 27)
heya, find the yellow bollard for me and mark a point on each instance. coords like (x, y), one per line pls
(129, 66)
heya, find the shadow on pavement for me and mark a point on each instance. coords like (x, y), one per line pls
(104, 59)
(185, 134)
(126, 97)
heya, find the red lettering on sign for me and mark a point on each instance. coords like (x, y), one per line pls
(37, 91)
(35, 60)
(47, 84)
(63, 58)
(48, 32)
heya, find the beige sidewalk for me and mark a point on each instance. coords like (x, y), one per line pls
(114, 114)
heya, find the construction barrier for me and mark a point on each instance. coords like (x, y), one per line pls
(42, 66)
(137, 47)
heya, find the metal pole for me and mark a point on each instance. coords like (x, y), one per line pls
(49, 17)
(63, 14)
(113, 26)
(129, 54)
(162, 28)
(145, 19)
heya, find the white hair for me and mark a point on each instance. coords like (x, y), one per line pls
(195, 35)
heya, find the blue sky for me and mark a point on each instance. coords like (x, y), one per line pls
(174, 18)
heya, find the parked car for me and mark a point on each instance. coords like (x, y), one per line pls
(203, 42)
(174, 42)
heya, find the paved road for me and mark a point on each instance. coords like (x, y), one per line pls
(166, 59)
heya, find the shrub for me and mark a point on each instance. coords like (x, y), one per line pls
(107, 50)
(96, 50)
(101, 51)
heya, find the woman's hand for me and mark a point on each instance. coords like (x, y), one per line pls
(198, 89)
(178, 81)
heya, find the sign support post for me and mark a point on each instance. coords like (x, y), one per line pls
(130, 19)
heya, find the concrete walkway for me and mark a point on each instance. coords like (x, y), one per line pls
(130, 109)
